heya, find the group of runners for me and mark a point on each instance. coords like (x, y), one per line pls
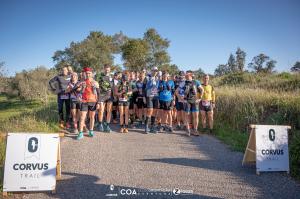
(152, 100)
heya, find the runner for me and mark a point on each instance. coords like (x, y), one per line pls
(115, 84)
(124, 92)
(207, 104)
(105, 98)
(166, 101)
(152, 100)
(132, 104)
(179, 93)
(199, 96)
(191, 104)
(59, 85)
(173, 109)
(140, 98)
(90, 92)
(75, 97)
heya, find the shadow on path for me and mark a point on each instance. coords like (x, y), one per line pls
(221, 158)
(86, 186)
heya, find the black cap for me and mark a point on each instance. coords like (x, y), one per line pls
(181, 73)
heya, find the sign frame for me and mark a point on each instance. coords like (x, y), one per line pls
(58, 162)
(250, 155)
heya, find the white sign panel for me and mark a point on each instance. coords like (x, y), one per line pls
(272, 153)
(30, 163)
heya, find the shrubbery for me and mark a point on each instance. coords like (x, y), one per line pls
(31, 84)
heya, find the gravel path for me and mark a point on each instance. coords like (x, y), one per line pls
(142, 164)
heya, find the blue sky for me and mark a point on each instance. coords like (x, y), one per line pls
(202, 33)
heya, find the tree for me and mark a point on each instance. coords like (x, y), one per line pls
(119, 39)
(296, 67)
(240, 59)
(232, 64)
(94, 51)
(134, 54)
(116, 68)
(157, 54)
(199, 73)
(222, 69)
(3, 79)
(172, 69)
(262, 64)
(33, 84)
(270, 65)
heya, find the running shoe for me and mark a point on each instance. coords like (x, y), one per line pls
(160, 129)
(91, 133)
(125, 130)
(122, 130)
(107, 128)
(75, 131)
(196, 133)
(188, 132)
(79, 136)
(100, 127)
(153, 130)
(147, 130)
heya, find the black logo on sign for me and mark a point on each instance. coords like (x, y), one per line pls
(272, 134)
(33, 143)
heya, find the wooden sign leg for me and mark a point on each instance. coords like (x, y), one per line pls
(58, 166)
(58, 163)
(250, 152)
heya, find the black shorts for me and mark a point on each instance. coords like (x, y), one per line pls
(191, 107)
(75, 105)
(115, 103)
(123, 103)
(165, 105)
(134, 97)
(88, 106)
(179, 106)
(152, 102)
(131, 103)
(205, 108)
(140, 103)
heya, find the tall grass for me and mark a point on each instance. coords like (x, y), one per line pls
(237, 107)
(240, 107)
(282, 82)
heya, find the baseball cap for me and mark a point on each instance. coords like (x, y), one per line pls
(181, 73)
(87, 69)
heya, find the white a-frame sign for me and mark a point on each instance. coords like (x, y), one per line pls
(268, 148)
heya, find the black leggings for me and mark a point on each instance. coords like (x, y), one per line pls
(61, 103)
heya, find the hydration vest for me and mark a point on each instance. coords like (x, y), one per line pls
(190, 91)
